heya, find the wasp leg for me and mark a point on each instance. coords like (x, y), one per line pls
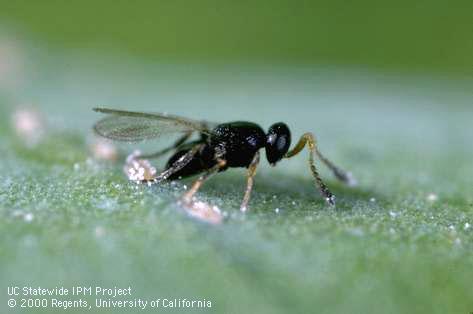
(182, 140)
(187, 197)
(178, 164)
(250, 182)
(309, 139)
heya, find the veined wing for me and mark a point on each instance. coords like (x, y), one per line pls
(130, 126)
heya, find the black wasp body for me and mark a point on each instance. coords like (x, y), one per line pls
(237, 143)
(220, 146)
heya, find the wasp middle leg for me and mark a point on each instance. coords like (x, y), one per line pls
(250, 182)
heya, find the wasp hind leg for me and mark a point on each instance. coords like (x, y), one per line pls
(139, 169)
(201, 210)
(188, 196)
(179, 164)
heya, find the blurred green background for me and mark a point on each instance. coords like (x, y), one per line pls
(386, 87)
(418, 35)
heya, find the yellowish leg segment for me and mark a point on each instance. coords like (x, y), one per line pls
(187, 197)
(250, 182)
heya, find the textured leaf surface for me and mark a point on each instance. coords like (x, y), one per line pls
(400, 242)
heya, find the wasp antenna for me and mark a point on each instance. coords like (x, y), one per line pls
(100, 109)
(309, 140)
(330, 200)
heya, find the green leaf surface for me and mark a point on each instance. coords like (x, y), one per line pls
(399, 242)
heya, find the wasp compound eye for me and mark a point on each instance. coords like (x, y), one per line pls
(278, 141)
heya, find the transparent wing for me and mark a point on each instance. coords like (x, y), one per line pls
(131, 126)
